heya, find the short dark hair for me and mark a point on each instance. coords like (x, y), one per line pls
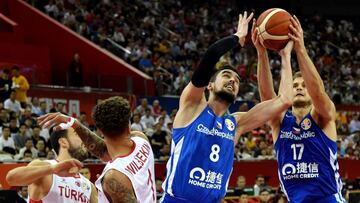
(297, 75)
(112, 116)
(212, 79)
(54, 138)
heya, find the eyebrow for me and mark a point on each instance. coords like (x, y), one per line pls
(229, 72)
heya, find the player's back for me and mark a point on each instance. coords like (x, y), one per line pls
(307, 162)
(138, 166)
(67, 189)
(201, 159)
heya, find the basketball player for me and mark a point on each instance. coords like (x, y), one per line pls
(57, 181)
(129, 174)
(204, 137)
(305, 137)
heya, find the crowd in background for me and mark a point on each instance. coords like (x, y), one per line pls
(166, 39)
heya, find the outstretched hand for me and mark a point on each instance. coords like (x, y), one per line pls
(297, 34)
(255, 38)
(67, 168)
(57, 120)
(242, 29)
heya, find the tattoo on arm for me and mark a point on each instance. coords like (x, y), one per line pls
(117, 192)
(93, 143)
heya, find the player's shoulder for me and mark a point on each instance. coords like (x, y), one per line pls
(139, 134)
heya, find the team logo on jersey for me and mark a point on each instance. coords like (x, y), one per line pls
(306, 124)
(218, 125)
(296, 131)
(229, 124)
(85, 186)
(77, 183)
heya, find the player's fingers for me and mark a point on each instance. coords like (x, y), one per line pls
(40, 118)
(297, 20)
(292, 37)
(77, 163)
(294, 23)
(240, 17)
(245, 15)
(47, 119)
(250, 17)
(294, 30)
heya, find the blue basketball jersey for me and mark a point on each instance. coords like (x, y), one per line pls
(307, 162)
(201, 159)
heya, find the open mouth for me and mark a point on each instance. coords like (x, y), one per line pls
(229, 87)
(299, 94)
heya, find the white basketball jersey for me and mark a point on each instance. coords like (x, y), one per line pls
(67, 189)
(138, 166)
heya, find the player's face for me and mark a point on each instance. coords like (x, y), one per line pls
(301, 96)
(77, 149)
(226, 85)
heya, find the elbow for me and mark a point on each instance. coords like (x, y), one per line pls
(10, 178)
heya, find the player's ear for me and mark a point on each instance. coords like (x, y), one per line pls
(210, 86)
(63, 143)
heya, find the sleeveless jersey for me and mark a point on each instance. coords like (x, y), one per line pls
(201, 159)
(138, 166)
(307, 162)
(67, 189)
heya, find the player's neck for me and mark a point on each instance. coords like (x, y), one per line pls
(218, 107)
(63, 156)
(119, 147)
(300, 112)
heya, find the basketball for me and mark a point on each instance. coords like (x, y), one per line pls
(273, 28)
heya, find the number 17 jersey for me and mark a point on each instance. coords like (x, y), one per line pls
(201, 159)
(307, 162)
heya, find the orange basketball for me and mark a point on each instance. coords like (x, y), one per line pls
(273, 28)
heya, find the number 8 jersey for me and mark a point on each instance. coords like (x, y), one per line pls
(307, 161)
(201, 159)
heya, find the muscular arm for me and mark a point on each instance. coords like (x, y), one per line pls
(323, 106)
(118, 188)
(92, 142)
(34, 172)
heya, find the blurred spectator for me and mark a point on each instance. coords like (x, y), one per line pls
(59, 107)
(240, 182)
(7, 143)
(264, 195)
(29, 147)
(144, 106)
(85, 171)
(259, 184)
(23, 194)
(76, 72)
(4, 117)
(354, 124)
(158, 139)
(35, 106)
(20, 85)
(20, 137)
(243, 196)
(147, 119)
(36, 135)
(28, 157)
(164, 153)
(11, 104)
(50, 155)
(137, 125)
(83, 119)
(5, 85)
(13, 125)
(156, 108)
(43, 108)
(41, 148)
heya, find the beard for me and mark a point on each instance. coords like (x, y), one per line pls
(301, 104)
(78, 153)
(225, 96)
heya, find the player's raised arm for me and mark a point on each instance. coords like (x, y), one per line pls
(92, 142)
(193, 92)
(264, 77)
(273, 109)
(323, 106)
